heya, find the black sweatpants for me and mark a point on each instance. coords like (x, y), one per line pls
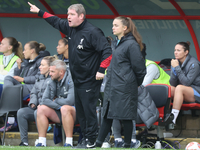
(85, 103)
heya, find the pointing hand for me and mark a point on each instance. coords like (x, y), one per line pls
(33, 8)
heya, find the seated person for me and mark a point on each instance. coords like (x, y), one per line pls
(57, 103)
(27, 113)
(155, 74)
(26, 72)
(12, 52)
(185, 78)
(62, 50)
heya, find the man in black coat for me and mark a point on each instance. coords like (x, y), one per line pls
(89, 56)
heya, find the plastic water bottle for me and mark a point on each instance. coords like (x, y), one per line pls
(158, 145)
(167, 135)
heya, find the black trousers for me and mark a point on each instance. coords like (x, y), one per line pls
(85, 103)
(105, 128)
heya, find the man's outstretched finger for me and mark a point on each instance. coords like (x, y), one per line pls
(30, 4)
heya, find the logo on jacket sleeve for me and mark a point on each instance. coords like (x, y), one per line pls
(65, 91)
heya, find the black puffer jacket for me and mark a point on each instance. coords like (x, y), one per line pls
(125, 73)
(146, 112)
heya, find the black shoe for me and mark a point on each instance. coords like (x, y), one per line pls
(91, 144)
(82, 144)
(169, 118)
(23, 144)
(125, 145)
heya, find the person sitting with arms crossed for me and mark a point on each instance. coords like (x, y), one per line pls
(57, 103)
(62, 50)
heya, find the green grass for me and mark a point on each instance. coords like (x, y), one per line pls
(53, 148)
(60, 148)
(31, 148)
(50, 148)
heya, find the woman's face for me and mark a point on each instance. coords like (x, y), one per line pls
(179, 52)
(61, 48)
(27, 51)
(5, 46)
(118, 28)
(44, 67)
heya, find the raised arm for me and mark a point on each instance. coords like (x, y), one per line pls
(56, 22)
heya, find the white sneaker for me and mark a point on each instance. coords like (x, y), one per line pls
(36, 141)
(105, 145)
(136, 144)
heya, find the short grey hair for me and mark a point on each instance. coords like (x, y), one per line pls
(79, 8)
(59, 64)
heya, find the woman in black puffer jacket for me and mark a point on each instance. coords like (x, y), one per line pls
(125, 73)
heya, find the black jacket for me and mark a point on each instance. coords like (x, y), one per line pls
(125, 73)
(146, 111)
(89, 50)
(30, 69)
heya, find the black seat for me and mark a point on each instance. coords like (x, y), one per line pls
(11, 101)
(161, 94)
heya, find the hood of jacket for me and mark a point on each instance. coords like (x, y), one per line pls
(41, 54)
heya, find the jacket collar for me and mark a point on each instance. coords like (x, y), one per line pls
(41, 54)
(41, 77)
(64, 78)
(186, 61)
(81, 25)
(127, 36)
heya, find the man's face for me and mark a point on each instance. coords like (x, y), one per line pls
(73, 19)
(54, 73)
